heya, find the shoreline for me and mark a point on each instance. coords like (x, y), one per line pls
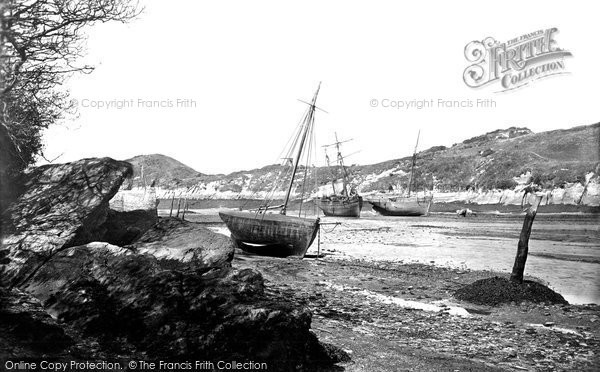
(361, 307)
(436, 207)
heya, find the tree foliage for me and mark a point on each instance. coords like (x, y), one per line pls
(40, 44)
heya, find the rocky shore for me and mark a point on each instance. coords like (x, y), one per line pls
(405, 317)
(168, 292)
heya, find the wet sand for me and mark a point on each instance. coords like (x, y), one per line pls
(564, 250)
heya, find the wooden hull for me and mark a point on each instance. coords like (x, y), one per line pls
(402, 206)
(271, 234)
(341, 206)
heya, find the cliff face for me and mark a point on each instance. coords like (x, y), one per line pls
(488, 169)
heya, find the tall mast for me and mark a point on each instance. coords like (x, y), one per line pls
(332, 173)
(340, 159)
(340, 162)
(308, 122)
(414, 160)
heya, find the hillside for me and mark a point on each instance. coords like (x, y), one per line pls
(163, 170)
(498, 160)
(495, 159)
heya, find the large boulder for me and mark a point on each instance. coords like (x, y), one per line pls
(172, 238)
(61, 206)
(171, 310)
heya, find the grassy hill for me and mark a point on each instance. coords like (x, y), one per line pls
(163, 170)
(493, 160)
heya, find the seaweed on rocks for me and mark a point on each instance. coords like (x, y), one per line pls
(496, 290)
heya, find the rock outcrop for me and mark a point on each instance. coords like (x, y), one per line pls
(123, 228)
(62, 206)
(170, 309)
(26, 328)
(170, 292)
(185, 241)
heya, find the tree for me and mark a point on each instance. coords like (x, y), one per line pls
(40, 44)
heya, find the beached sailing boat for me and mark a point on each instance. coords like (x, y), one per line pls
(345, 203)
(404, 205)
(277, 234)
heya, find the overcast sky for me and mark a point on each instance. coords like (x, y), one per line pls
(243, 65)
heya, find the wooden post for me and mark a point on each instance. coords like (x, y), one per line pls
(184, 208)
(172, 201)
(178, 207)
(319, 242)
(523, 246)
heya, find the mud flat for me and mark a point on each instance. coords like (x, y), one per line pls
(564, 249)
(384, 288)
(403, 317)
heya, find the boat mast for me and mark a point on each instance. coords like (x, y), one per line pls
(340, 159)
(340, 162)
(414, 160)
(308, 121)
(329, 166)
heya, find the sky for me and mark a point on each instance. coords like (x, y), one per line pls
(216, 84)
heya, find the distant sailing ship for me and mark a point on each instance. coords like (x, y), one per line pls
(404, 205)
(277, 234)
(344, 203)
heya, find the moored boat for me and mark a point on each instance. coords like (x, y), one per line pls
(404, 205)
(341, 206)
(271, 234)
(274, 234)
(342, 203)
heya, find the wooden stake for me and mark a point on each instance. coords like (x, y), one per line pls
(319, 242)
(172, 201)
(178, 207)
(523, 246)
(184, 208)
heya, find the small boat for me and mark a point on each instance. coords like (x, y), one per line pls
(275, 234)
(341, 206)
(404, 205)
(344, 203)
(271, 234)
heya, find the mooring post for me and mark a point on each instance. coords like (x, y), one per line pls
(523, 246)
(172, 201)
(319, 242)
(184, 208)
(178, 207)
